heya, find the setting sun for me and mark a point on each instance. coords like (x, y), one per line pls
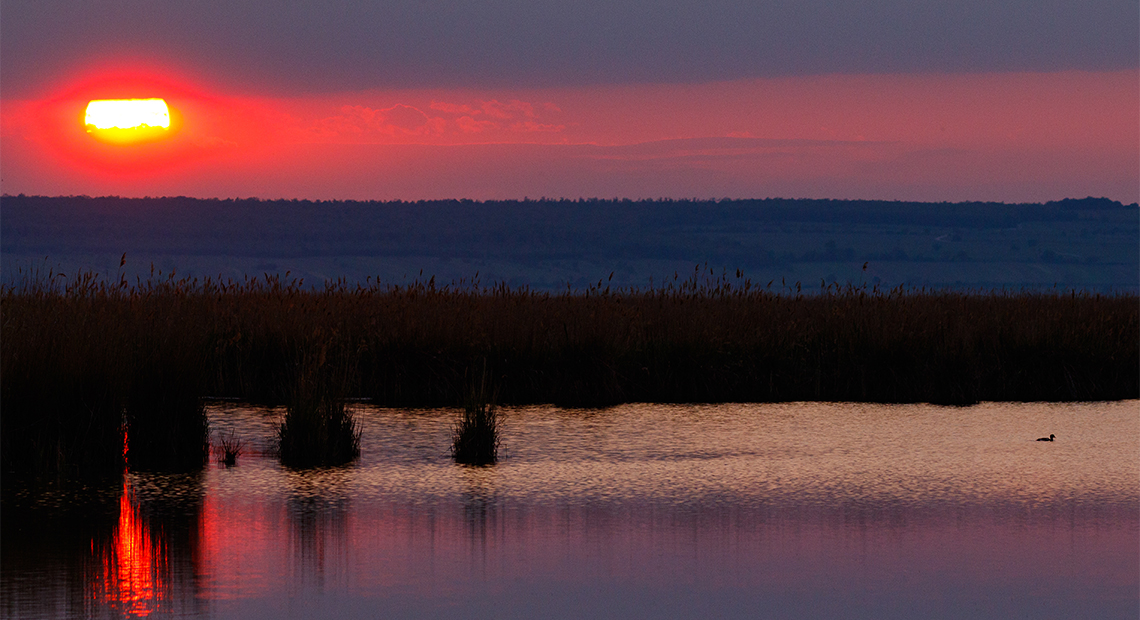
(127, 120)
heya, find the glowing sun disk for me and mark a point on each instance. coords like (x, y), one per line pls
(127, 114)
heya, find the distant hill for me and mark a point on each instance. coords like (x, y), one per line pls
(1090, 243)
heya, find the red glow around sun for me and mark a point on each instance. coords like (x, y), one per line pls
(128, 136)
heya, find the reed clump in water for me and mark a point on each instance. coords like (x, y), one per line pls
(476, 435)
(229, 449)
(318, 429)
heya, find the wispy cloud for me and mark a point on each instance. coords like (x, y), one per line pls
(440, 122)
(397, 121)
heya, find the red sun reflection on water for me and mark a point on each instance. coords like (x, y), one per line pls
(133, 566)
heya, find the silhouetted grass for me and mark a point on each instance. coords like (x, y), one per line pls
(475, 440)
(475, 437)
(229, 448)
(96, 373)
(318, 429)
(82, 359)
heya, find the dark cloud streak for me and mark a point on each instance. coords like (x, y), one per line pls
(289, 46)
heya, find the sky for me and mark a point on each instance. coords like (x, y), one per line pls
(883, 99)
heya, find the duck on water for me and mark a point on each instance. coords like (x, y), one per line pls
(1049, 438)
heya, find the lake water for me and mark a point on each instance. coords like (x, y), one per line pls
(800, 510)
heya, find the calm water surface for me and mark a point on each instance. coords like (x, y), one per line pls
(798, 510)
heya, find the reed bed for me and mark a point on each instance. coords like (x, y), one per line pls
(95, 375)
(84, 358)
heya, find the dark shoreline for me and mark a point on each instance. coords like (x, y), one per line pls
(81, 358)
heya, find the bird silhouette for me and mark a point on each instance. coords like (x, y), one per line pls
(1049, 438)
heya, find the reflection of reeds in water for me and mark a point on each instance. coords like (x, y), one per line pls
(80, 359)
(133, 575)
(319, 536)
(55, 534)
(148, 567)
(480, 507)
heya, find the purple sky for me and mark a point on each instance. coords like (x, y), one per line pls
(964, 100)
(289, 47)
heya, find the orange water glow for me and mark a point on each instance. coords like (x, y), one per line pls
(134, 566)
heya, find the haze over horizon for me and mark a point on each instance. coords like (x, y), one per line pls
(973, 100)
